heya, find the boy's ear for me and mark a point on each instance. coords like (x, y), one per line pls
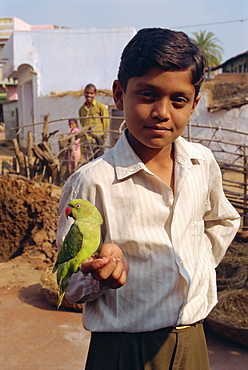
(118, 94)
(197, 99)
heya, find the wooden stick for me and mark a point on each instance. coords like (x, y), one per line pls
(20, 158)
(45, 128)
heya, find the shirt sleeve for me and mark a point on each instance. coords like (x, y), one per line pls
(221, 219)
(82, 289)
(81, 114)
(105, 121)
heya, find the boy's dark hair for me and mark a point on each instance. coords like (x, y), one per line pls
(90, 85)
(163, 48)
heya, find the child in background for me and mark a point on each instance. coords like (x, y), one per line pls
(73, 158)
(167, 223)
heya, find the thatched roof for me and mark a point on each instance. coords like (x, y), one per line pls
(79, 93)
(226, 91)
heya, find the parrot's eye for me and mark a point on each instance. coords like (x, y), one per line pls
(77, 205)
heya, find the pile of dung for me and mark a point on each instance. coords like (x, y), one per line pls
(232, 308)
(232, 283)
(28, 220)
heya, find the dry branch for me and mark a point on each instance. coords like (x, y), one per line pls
(20, 158)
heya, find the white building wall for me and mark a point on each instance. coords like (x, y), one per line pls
(59, 110)
(68, 59)
(10, 109)
(57, 61)
(235, 119)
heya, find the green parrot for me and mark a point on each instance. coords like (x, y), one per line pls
(80, 243)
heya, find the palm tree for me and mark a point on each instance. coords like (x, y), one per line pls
(211, 45)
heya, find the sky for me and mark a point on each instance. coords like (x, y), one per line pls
(227, 19)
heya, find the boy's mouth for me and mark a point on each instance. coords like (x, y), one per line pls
(158, 128)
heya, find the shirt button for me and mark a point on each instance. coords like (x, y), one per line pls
(181, 263)
(181, 314)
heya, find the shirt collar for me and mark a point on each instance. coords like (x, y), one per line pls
(186, 153)
(126, 160)
(128, 163)
(92, 105)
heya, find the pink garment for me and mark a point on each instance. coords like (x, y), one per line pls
(76, 152)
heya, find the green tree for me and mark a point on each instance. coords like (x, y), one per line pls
(211, 46)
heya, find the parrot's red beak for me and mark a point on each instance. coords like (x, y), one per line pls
(68, 211)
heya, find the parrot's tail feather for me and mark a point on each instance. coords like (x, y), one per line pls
(55, 268)
(60, 299)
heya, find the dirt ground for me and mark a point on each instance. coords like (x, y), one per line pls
(34, 335)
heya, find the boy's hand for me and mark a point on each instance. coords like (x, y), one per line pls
(110, 268)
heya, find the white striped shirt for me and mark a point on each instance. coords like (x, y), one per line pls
(173, 242)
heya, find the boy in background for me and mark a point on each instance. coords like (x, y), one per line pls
(94, 113)
(167, 223)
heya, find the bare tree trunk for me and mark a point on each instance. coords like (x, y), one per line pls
(20, 158)
(31, 158)
(45, 128)
(49, 161)
(63, 144)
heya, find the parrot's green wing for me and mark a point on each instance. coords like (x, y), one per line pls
(71, 246)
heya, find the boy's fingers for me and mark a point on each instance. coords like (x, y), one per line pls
(110, 272)
(112, 275)
(105, 271)
(110, 250)
(93, 265)
(117, 279)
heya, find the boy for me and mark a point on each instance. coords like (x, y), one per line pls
(97, 114)
(167, 223)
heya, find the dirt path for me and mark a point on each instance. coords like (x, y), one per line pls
(34, 335)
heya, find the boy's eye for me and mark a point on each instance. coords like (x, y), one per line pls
(179, 101)
(147, 94)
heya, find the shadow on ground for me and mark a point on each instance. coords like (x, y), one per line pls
(34, 296)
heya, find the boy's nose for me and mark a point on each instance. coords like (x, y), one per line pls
(161, 110)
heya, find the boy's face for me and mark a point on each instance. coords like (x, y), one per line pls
(157, 107)
(89, 94)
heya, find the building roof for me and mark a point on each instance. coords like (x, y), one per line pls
(231, 60)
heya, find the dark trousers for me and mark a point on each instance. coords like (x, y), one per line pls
(167, 349)
(94, 147)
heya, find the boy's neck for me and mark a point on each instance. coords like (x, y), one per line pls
(162, 165)
(88, 105)
(158, 161)
(153, 155)
(158, 157)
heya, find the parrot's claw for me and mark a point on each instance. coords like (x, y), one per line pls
(94, 256)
